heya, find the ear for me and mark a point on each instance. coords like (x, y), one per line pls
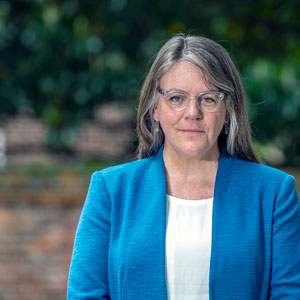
(226, 118)
(155, 115)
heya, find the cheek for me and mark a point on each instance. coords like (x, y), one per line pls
(168, 119)
(220, 119)
(216, 124)
(163, 115)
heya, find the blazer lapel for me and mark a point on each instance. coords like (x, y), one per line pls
(158, 231)
(222, 208)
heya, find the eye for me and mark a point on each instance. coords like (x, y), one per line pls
(209, 99)
(176, 99)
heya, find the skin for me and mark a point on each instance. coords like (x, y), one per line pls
(191, 151)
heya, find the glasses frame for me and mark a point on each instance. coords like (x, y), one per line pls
(165, 94)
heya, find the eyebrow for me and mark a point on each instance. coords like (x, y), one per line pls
(179, 90)
(174, 89)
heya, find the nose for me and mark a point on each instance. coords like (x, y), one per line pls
(192, 111)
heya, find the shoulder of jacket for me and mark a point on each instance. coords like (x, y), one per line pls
(259, 171)
(125, 168)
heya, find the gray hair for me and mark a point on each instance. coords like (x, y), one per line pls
(218, 70)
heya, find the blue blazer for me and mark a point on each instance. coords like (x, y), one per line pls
(119, 249)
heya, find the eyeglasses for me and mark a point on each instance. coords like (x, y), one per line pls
(178, 100)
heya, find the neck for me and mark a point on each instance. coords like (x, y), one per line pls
(190, 178)
(190, 166)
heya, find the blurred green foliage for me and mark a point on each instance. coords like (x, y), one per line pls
(61, 58)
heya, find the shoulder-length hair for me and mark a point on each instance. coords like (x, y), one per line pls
(218, 70)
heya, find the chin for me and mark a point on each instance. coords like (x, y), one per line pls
(195, 151)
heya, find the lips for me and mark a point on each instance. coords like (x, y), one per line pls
(191, 130)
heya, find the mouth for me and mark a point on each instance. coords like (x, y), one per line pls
(192, 131)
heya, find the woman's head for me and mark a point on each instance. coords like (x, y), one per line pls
(218, 71)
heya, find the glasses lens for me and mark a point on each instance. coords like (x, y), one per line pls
(177, 100)
(209, 101)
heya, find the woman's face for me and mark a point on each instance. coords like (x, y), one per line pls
(191, 132)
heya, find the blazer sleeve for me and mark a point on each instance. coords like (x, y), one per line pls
(88, 276)
(285, 275)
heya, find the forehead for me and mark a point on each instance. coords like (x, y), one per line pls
(186, 76)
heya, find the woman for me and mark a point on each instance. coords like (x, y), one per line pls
(197, 216)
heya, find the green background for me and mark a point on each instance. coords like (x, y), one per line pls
(58, 59)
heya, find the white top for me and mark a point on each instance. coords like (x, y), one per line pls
(188, 248)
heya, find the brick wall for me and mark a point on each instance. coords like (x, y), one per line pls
(38, 218)
(35, 250)
(108, 135)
